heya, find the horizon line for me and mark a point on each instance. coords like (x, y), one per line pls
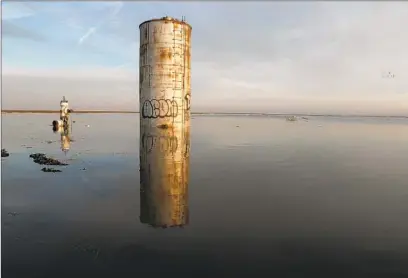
(40, 111)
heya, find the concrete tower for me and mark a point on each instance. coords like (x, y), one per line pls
(164, 94)
(164, 72)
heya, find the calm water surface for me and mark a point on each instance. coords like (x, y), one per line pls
(326, 197)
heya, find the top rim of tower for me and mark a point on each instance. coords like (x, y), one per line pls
(166, 19)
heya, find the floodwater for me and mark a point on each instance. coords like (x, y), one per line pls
(327, 197)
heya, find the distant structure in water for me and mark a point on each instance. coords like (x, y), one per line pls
(165, 77)
(64, 115)
(164, 177)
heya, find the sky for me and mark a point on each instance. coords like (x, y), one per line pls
(277, 57)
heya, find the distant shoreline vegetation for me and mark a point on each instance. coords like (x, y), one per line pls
(17, 111)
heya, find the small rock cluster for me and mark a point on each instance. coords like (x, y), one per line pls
(4, 153)
(42, 159)
(50, 170)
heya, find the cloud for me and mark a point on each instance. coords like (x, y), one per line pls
(86, 88)
(337, 50)
(86, 35)
(15, 10)
(116, 73)
(12, 13)
(12, 30)
(125, 65)
(115, 8)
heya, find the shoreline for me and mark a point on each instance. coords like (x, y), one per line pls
(9, 111)
(16, 111)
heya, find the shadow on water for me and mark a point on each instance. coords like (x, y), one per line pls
(164, 176)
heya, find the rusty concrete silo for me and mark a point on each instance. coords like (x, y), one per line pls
(164, 72)
(164, 176)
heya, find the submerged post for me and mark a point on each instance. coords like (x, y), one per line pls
(164, 96)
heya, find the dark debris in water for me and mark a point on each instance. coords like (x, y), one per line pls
(42, 159)
(4, 153)
(50, 170)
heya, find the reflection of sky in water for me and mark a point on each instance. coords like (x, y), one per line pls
(293, 194)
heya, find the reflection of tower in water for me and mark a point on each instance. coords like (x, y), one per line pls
(65, 140)
(164, 174)
(65, 133)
